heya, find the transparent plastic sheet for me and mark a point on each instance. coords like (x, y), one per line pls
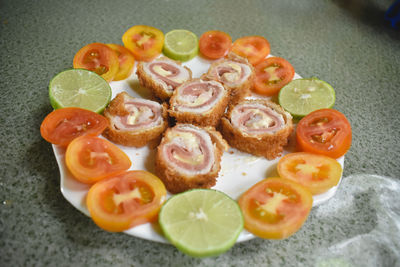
(364, 218)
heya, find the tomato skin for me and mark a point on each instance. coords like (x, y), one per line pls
(145, 42)
(291, 203)
(254, 48)
(318, 173)
(99, 58)
(282, 73)
(324, 131)
(91, 159)
(63, 125)
(125, 59)
(215, 44)
(140, 195)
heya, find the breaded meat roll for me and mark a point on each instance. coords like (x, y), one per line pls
(258, 127)
(134, 121)
(162, 76)
(199, 102)
(235, 73)
(189, 157)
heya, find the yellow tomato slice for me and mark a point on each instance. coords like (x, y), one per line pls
(275, 208)
(91, 159)
(318, 173)
(99, 58)
(145, 42)
(126, 200)
(126, 61)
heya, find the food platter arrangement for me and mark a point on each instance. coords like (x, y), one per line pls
(201, 143)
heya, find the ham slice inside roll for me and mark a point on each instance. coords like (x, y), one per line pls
(142, 114)
(167, 72)
(256, 119)
(198, 96)
(189, 150)
(230, 73)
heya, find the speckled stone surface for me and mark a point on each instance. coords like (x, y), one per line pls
(346, 43)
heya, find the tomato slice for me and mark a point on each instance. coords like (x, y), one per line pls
(318, 173)
(126, 200)
(271, 75)
(99, 58)
(125, 59)
(324, 131)
(90, 159)
(215, 44)
(145, 42)
(63, 125)
(275, 208)
(254, 48)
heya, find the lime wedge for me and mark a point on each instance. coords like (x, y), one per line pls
(302, 96)
(201, 222)
(79, 88)
(181, 45)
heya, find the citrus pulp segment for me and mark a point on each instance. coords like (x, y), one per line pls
(201, 222)
(181, 45)
(79, 88)
(302, 96)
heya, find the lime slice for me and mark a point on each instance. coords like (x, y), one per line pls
(302, 96)
(79, 88)
(181, 45)
(201, 222)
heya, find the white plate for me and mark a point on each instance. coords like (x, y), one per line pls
(239, 170)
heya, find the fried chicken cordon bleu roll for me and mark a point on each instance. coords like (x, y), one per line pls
(189, 157)
(134, 121)
(199, 102)
(257, 126)
(162, 75)
(235, 73)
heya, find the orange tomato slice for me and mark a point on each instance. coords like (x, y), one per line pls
(63, 125)
(318, 173)
(126, 200)
(125, 59)
(324, 131)
(275, 208)
(145, 42)
(98, 58)
(271, 75)
(254, 48)
(215, 44)
(91, 159)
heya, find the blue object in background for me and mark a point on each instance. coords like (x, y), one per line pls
(393, 14)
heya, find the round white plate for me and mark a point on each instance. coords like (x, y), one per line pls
(239, 170)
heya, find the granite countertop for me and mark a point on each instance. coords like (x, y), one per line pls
(346, 43)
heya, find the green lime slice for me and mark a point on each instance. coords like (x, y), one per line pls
(302, 96)
(201, 222)
(181, 45)
(79, 88)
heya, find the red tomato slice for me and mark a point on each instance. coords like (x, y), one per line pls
(254, 48)
(126, 200)
(99, 58)
(126, 61)
(145, 42)
(275, 208)
(318, 173)
(215, 44)
(91, 159)
(63, 125)
(271, 75)
(326, 132)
